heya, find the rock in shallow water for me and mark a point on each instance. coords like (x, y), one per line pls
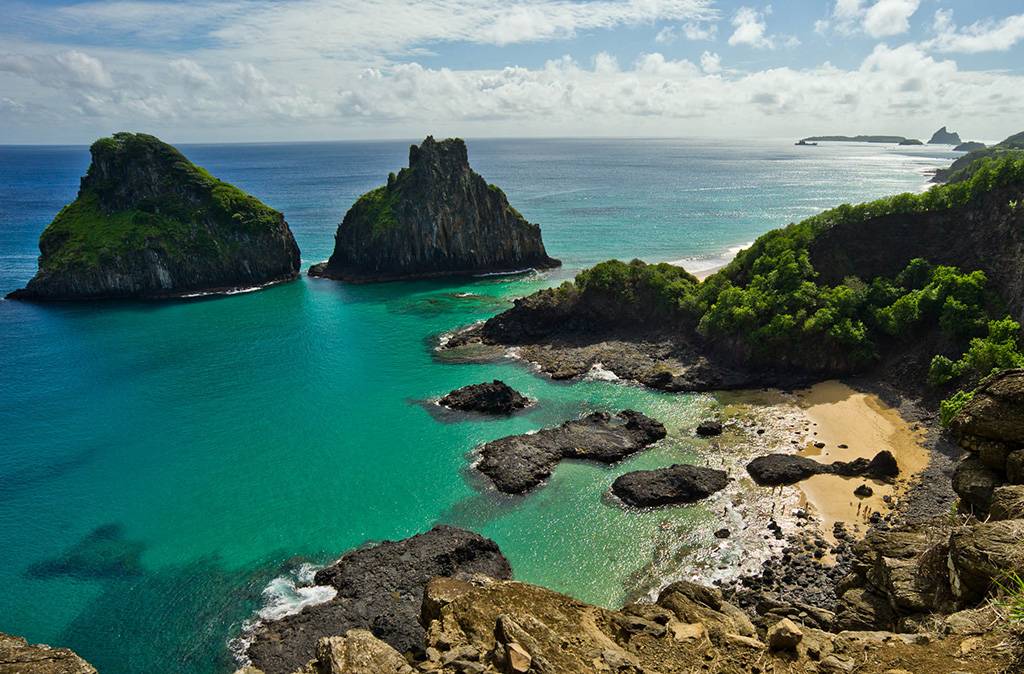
(781, 469)
(518, 463)
(680, 483)
(496, 397)
(380, 588)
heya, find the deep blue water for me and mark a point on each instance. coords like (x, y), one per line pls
(160, 464)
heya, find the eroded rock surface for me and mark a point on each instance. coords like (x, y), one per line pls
(680, 483)
(17, 656)
(495, 397)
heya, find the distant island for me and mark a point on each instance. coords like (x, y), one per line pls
(852, 139)
(965, 166)
(438, 217)
(943, 137)
(969, 146)
(911, 141)
(148, 223)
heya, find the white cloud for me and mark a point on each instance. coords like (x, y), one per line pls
(191, 73)
(981, 36)
(881, 18)
(70, 68)
(690, 30)
(750, 29)
(711, 63)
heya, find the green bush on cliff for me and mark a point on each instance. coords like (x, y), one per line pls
(952, 405)
(378, 207)
(998, 350)
(661, 286)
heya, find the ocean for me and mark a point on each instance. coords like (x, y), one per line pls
(170, 470)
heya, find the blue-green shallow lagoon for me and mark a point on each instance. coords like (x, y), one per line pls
(160, 463)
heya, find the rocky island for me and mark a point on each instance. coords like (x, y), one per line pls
(944, 137)
(438, 217)
(148, 223)
(495, 397)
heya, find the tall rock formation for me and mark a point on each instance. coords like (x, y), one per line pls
(149, 223)
(943, 137)
(437, 217)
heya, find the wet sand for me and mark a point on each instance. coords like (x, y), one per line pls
(841, 415)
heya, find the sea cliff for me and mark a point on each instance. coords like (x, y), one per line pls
(437, 217)
(149, 223)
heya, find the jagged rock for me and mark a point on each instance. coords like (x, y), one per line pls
(863, 609)
(692, 603)
(781, 469)
(974, 482)
(709, 427)
(437, 217)
(784, 636)
(380, 588)
(496, 397)
(994, 413)
(17, 656)
(438, 593)
(943, 137)
(518, 463)
(357, 652)
(981, 554)
(680, 483)
(1007, 503)
(149, 223)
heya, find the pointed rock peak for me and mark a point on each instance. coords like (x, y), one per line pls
(944, 137)
(449, 153)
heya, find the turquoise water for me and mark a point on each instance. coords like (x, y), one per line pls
(161, 463)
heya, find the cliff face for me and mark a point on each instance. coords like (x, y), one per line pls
(149, 223)
(437, 217)
(986, 235)
(17, 656)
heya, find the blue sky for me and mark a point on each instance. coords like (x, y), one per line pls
(331, 69)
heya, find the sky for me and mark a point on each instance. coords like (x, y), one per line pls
(262, 70)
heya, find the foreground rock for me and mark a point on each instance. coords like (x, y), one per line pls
(379, 589)
(17, 656)
(148, 223)
(496, 397)
(518, 463)
(680, 483)
(437, 217)
(782, 469)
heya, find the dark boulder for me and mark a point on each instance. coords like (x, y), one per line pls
(781, 469)
(437, 217)
(496, 397)
(380, 588)
(982, 554)
(974, 482)
(518, 463)
(709, 427)
(994, 413)
(680, 483)
(863, 491)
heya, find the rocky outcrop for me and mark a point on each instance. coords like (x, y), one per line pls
(944, 137)
(496, 397)
(781, 469)
(676, 484)
(969, 146)
(437, 217)
(148, 223)
(982, 555)
(380, 589)
(991, 428)
(518, 463)
(17, 656)
(961, 168)
(911, 141)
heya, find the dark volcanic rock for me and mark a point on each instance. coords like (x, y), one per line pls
(779, 469)
(680, 483)
(974, 483)
(518, 463)
(436, 218)
(943, 137)
(496, 397)
(149, 223)
(380, 588)
(709, 428)
(18, 657)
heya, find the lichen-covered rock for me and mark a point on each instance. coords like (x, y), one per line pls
(437, 217)
(983, 553)
(17, 656)
(357, 652)
(379, 588)
(149, 223)
(994, 413)
(681, 483)
(1007, 503)
(518, 463)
